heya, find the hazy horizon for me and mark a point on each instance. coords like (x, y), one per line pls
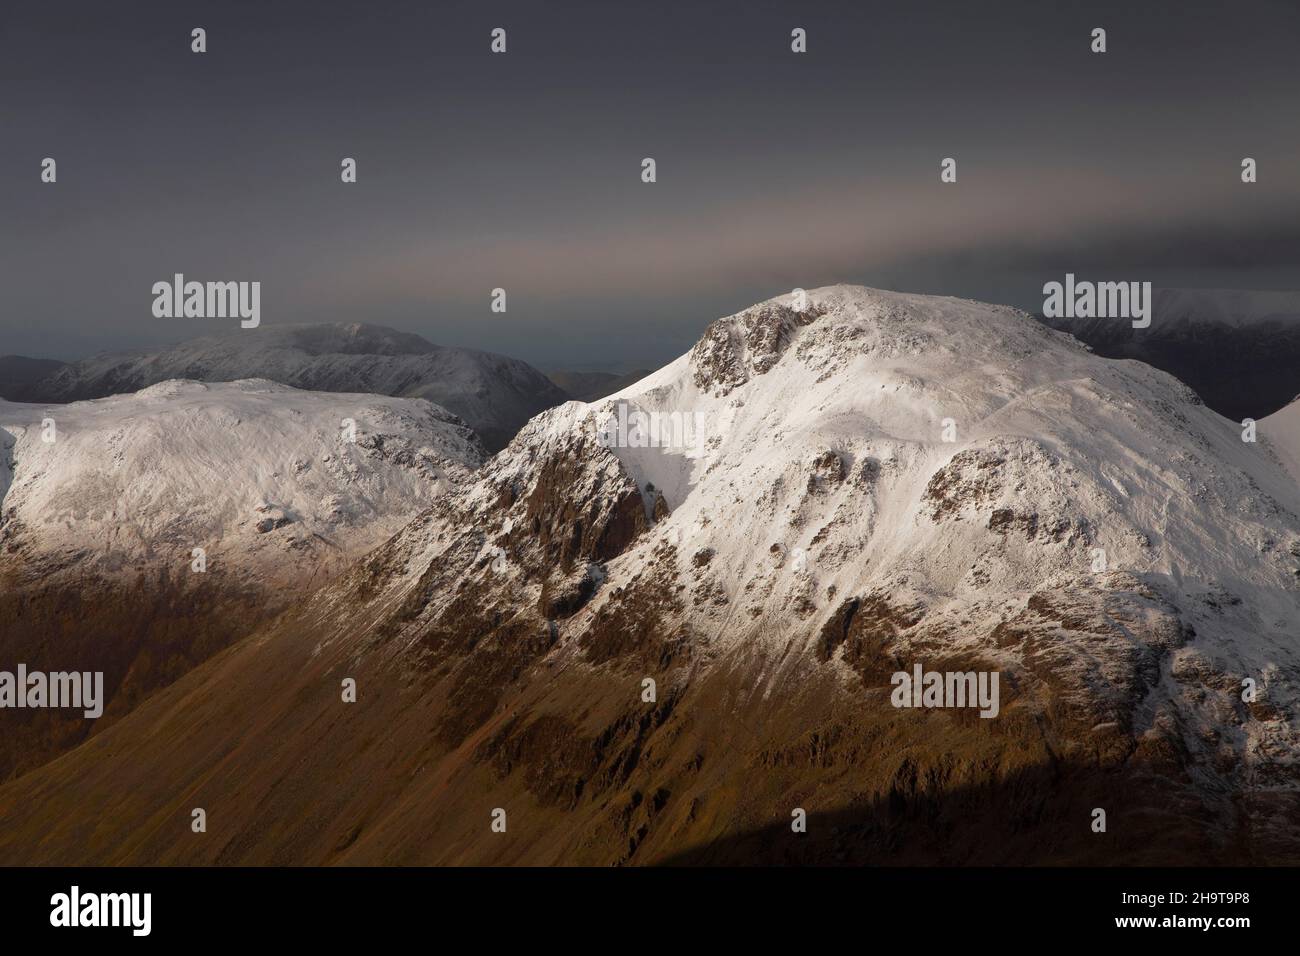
(522, 170)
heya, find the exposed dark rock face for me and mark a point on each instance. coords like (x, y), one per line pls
(734, 349)
(827, 471)
(865, 628)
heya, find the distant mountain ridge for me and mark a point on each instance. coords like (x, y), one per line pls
(492, 393)
(1238, 349)
(593, 386)
(17, 372)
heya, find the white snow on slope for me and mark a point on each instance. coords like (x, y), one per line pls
(873, 381)
(825, 474)
(260, 475)
(1281, 433)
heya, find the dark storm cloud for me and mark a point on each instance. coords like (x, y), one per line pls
(522, 171)
(1206, 244)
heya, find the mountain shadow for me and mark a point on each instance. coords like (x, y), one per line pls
(1042, 815)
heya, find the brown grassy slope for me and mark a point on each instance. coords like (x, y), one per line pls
(141, 632)
(587, 772)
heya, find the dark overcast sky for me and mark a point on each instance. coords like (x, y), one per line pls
(523, 171)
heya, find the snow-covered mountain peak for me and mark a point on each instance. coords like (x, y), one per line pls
(957, 456)
(831, 323)
(131, 481)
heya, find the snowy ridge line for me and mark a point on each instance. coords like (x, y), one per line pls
(261, 476)
(492, 393)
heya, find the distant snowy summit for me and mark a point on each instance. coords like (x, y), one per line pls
(134, 480)
(494, 394)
